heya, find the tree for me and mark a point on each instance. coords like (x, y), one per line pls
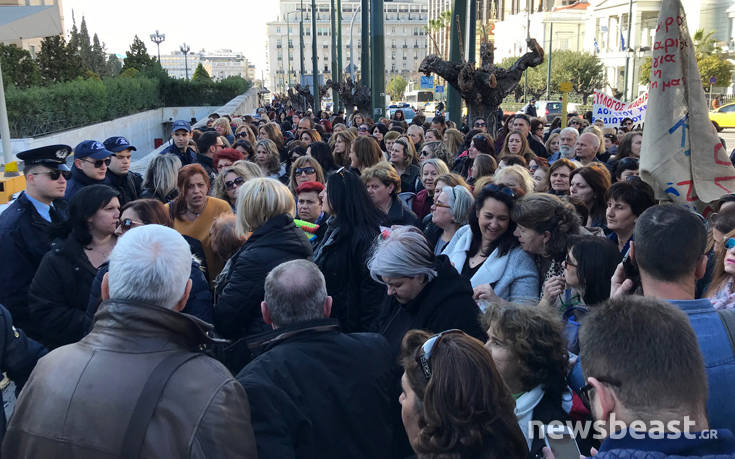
(85, 47)
(57, 61)
(19, 68)
(584, 70)
(137, 56)
(201, 73)
(97, 58)
(113, 66)
(396, 87)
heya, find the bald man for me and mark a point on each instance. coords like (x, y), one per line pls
(586, 148)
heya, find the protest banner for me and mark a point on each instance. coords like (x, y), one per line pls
(612, 111)
(681, 156)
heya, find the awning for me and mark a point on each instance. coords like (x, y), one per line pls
(18, 22)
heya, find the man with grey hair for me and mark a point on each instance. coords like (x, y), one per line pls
(586, 148)
(136, 386)
(315, 391)
(567, 140)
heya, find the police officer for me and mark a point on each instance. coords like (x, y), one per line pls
(128, 183)
(180, 135)
(91, 160)
(26, 224)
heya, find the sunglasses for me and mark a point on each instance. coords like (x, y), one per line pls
(231, 184)
(242, 135)
(98, 163)
(304, 170)
(54, 175)
(425, 153)
(424, 357)
(362, 129)
(480, 124)
(730, 243)
(128, 223)
(584, 391)
(500, 188)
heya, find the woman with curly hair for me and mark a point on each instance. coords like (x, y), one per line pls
(267, 157)
(454, 403)
(528, 348)
(590, 184)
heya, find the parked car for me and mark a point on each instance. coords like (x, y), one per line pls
(723, 117)
(549, 109)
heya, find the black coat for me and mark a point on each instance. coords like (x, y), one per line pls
(445, 303)
(59, 294)
(410, 179)
(399, 214)
(24, 240)
(319, 393)
(130, 185)
(237, 312)
(18, 357)
(356, 297)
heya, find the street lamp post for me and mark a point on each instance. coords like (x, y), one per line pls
(185, 49)
(352, 64)
(158, 38)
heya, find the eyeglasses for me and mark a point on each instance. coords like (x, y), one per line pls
(304, 170)
(730, 243)
(54, 175)
(500, 188)
(424, 357)
(362, 129)
(98, 163)
(480, 124)
(232, 184)
(584, 391)
(128, 223)
(568, 262)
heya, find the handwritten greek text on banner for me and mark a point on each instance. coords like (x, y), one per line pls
(612, 111)
(681, 157)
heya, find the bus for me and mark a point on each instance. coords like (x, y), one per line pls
(419, 99)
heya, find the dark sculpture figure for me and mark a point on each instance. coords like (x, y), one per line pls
(483, 88)
(352, 95)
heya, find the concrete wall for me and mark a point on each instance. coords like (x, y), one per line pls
(141, 129)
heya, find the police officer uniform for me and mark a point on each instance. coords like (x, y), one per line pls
(25, 228)
(129, 185)
(94, 151)
(187, 157)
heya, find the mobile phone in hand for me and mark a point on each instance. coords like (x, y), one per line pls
(560, 439)
(631, 271)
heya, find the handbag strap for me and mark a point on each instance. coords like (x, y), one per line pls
(148, 401)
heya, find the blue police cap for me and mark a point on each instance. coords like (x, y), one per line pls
(117, 144)
(181, 124)
(91, 149)
(52, 156)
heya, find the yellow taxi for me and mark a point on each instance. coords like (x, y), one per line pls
(723, 117)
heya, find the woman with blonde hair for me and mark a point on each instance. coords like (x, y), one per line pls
(431, 169)
(436, 150)
(402, 155)
(246, 133)
(271, 131)
(416, 134)
(552, 144)
(516, 178)
(231, 178)
(454, 140)
(305, 169)
(268, 158)
(341, 144)
(265, 208)
(222, 126)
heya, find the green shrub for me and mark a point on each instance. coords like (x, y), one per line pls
(40, 110)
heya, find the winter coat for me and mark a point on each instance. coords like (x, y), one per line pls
(444, 303)
(59, 294)
(399, 214)
(713, 445)
(198, 305)
(186, 157)
(410, 178)
(512, 276)
(80, 398)
(130, 185)
(342, 258)
(79, 180)
(237, 312)
(18, 357)
(319, 393)
(149, 193)
(24, 239)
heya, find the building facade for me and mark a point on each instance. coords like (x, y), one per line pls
(25, 16)
(218, 64)
(405, 40)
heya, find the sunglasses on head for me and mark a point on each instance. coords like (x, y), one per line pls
(55, 174)
(424, 357)
(500, 188)
(230, 184)
(128, 223)
(304, 170)
(98, 163)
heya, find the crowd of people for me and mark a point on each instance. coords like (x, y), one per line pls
(290, 284)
